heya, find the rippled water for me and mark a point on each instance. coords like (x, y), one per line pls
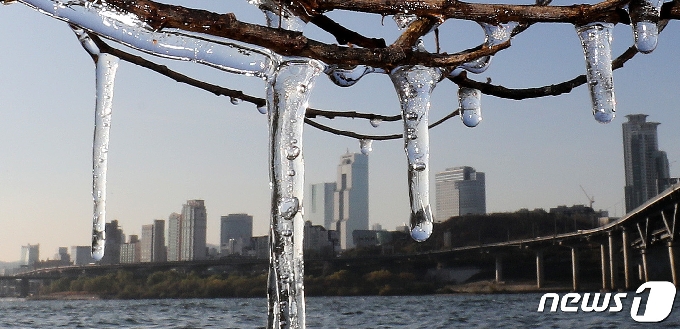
(449, 311)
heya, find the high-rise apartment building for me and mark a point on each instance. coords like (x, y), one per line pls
(153, 242)
(319, 204)
(647, 170)
(130, 252)
(30, 254)
(174, 237)
(114, 239)
(350, 198)
(81, 255)
(460, 191)
(235, 233)
(193, 225)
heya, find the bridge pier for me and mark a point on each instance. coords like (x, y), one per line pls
(24, 288)
(645, 269)
(539, 269)
(626, 259)
(612, 261)
(605, 272)
(575, 268)
(671, 256)
(499, 268)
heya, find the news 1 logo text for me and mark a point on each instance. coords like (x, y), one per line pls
(659, 303)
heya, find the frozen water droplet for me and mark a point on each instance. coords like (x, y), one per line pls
(366, 146)
(348, 77)
(288, 207)
(644, 15)
(262, 109)
(418, 165)
(469, 100)
(404, 20)
(646, 36)
(291, 172)
(292, 152)
(411, 133)
(412, 115)
(421, 224)
(235, 101)
(376, 122)
(302, 89)
(494, 35)
(596, 42)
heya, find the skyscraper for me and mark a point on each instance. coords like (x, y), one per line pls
(351, 198)
(647, 170)
(235, 233)
(460, 191)
(193, 224)
(174, 237)
(30, 254)
(114, 239)
(153, 242)
(319, 204)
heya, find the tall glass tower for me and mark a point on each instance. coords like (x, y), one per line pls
(350, 210)
(460, 191)
(647, 170)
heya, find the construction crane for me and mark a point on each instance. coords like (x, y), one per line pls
(591, 199)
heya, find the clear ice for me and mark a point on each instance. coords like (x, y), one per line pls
(348, 77)
(644, 15)
(494, 35)
(129, 30)
(366, 146)
(414, 86)
(288, 92)
(287, 96)
(596, 41)
(106, 67)
(469, 100)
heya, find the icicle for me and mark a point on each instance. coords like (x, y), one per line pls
(348, 77)
(288, 92)
(262, 109)
(106, 66)
(375, 122)
(414, 85)
(287, 95)
(469, 100)
(128, 29)
(495, 35)
(366, 146)
(596, 41)
(644, 16)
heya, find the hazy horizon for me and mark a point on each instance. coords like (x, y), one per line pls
(171, 142)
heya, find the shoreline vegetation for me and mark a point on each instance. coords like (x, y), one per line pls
(173, 285)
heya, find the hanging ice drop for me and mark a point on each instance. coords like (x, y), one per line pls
(494, 35)
(366, 146)
(348, 77)
(469, 100)
(596, 41)
(644, 16)
(414, 85)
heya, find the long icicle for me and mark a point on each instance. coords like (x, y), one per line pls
(288, 94)
(596, 40)
(414, 85)
(287, 98)
(106, 67)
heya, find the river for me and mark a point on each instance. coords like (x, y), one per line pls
(434, 311)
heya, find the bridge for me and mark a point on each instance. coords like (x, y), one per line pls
(636, 248)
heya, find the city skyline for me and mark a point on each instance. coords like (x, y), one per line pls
(171, 142)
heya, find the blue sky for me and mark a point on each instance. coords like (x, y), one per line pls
(171, 142)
